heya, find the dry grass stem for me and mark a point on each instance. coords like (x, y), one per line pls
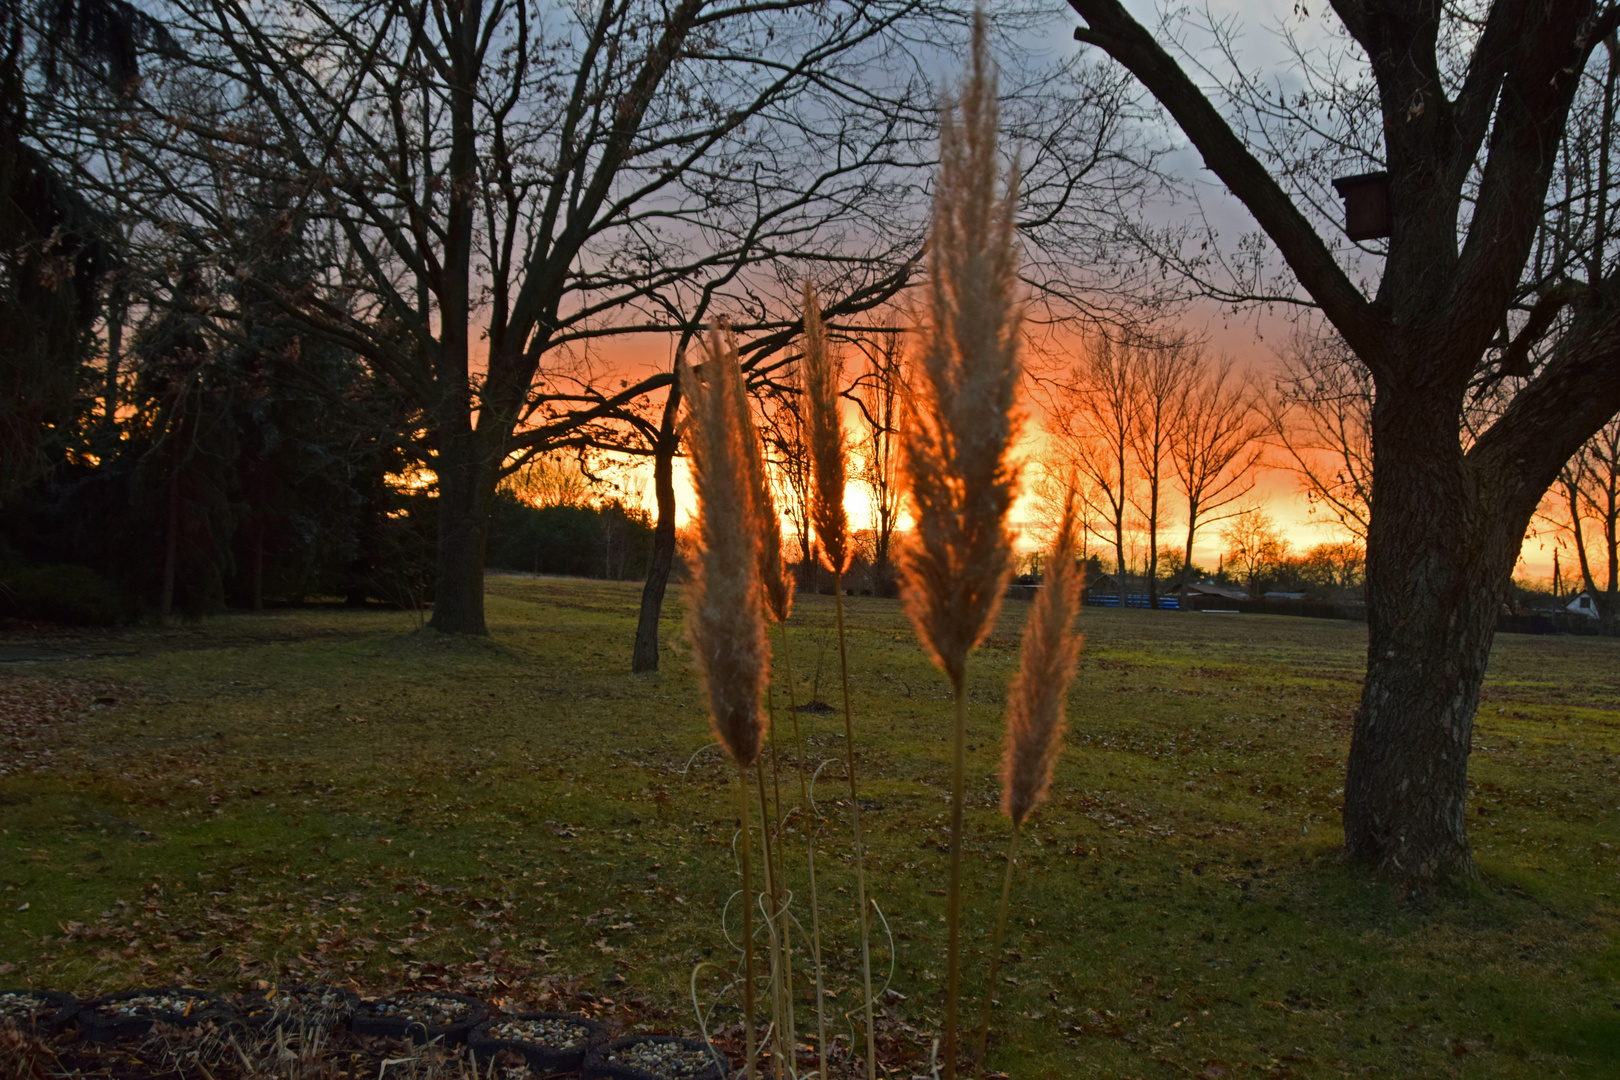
(724, 610)
(960, 425)
(747, 848)
(806, 808)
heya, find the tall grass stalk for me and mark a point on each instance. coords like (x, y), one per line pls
(855, 818)
(791, 1031)
(776, 587)
(960, 425)
(1035, 722)
(748, 921)
(779, 992)
(725, 616)
(806, 809)
(995, 950)
(832, 532)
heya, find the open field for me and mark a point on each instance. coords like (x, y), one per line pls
(332, 794)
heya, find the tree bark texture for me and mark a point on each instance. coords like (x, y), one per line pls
(1439, 565)
(645, 655)
(171, 545)
(466, 494)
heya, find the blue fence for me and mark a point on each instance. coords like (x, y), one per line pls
(1137, 600)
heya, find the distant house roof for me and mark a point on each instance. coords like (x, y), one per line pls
(1279, 594)
(1583, 605)
(1212, 588)
(1110, 583)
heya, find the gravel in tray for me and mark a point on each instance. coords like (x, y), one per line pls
(559, 1033)
(670, 1060)
(26, 1010)
(155, 1005)
(429, 1009)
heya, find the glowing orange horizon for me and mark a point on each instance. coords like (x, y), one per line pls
(1276, 490)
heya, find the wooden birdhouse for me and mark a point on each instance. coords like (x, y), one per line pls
(1367, 211)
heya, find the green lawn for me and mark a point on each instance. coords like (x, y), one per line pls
(332, 794)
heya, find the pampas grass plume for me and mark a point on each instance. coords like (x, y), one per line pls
(1035, 722)
(961, 420)
(775, 582)
(724, 614)
(826, 426)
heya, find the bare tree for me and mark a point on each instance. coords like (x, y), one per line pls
(1339, 563)
(787, 449)
(1321, 420)
(555, 478)
(1216, 447)
(1588, 491)
(1091, 420)
(1469, 108)
(505, 187)
(1162, 373)
(877, 395)
(1254, 545)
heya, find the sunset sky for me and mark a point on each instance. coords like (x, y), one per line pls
(1251, 337)
(1277, 490)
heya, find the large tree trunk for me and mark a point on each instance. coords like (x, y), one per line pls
(645, 655)
(1439, 564)
(466, 492)
(256, 568)
(171, 545)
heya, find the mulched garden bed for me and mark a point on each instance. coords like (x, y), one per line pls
(182, 1034)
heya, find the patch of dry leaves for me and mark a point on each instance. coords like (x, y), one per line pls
(37, 714)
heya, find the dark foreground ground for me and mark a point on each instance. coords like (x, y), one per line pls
(329, 795)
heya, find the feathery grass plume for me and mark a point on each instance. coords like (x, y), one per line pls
(1051, 646)
(773, 576)
(724, 609)
(826, 432)
(960, 427)
(725, 619)
(1035, 723)
(961, 417)
(826, 428)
